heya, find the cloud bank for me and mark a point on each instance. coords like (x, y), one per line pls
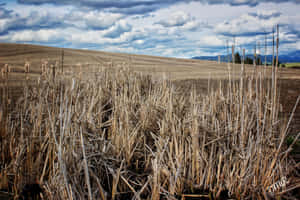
(177, 28)
(143, 6)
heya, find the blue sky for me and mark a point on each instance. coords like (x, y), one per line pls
(173, 28)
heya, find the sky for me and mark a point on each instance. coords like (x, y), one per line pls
(171, 28)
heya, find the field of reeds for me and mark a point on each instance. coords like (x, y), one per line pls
(126, 135)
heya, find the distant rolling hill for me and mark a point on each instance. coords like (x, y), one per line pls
(173, 68)
(292, 57)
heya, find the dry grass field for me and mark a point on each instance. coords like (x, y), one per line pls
(120, 126)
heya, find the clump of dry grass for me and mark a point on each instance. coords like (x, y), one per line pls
(123, 135)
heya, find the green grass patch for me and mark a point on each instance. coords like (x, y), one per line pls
(292, 65)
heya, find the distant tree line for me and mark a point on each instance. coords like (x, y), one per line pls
(249, 60)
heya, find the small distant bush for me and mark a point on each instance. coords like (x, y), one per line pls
(249, 61)
(237, 58)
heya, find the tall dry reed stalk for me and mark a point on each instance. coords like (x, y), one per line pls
(5, 70)
(27, 70)
(27, 67)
